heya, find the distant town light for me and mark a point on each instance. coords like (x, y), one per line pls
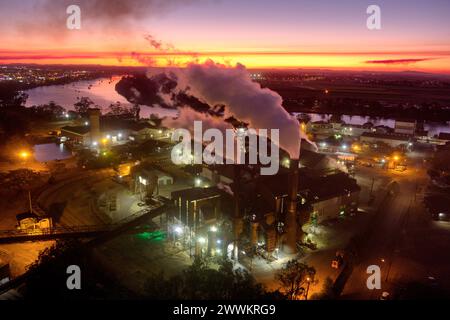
(24, 154)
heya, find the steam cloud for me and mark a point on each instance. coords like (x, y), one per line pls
(49, 16)
(202, 90)
(244, 99)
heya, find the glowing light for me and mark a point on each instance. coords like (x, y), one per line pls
(213, 229)
(142, 181)
(119, 135)
(95, 143)
(178, 230)
(24, 154)
(198, 181)
(201, 240)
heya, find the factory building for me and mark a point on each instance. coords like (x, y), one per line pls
(112, 130)
(392, 139)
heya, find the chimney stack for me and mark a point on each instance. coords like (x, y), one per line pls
(290, 245)
(94, 121)
(238, 223)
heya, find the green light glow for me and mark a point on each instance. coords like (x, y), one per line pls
(152, 236)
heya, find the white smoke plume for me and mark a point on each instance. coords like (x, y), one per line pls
(187, 116)
(244, 99)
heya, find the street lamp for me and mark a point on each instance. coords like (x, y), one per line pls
(201, 240)
(213, 229)
(24, 155)
(178, 230)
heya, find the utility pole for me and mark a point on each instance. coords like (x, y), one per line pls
(29, 201)
(371, 187)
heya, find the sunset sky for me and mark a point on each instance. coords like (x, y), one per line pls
(414, 35)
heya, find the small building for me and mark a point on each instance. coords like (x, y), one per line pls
(320, 129)
(445, 136)
(391, 139)
(321, 197)
(407, 127)
(30, 222)
(76, 134)
(113, 130)
(148, 180)
(331, 196)
(355, 130)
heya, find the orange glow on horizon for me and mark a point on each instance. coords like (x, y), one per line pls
(438, 62)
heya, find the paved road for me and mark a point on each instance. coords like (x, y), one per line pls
(382, 247)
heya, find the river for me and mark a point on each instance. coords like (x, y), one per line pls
(102, 92)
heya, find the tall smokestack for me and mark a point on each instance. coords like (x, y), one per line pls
(291, 216)
(94, 121)
(237, 218)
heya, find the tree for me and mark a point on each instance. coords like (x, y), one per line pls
(200, 281)
(295, 278)
(47, 276)
(50, 110)
(327, 292)
(82, 106)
